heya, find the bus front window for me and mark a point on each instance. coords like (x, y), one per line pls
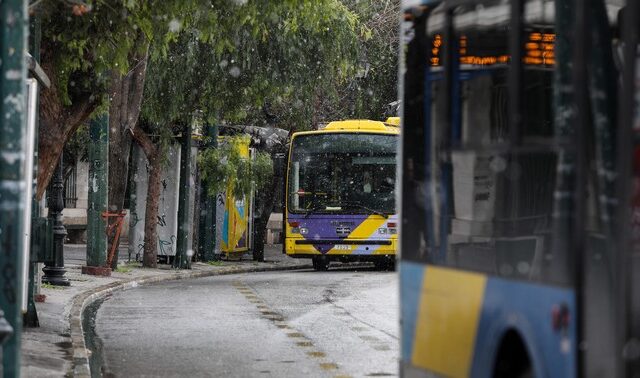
(342, 173)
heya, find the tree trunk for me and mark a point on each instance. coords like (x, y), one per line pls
(58, 122)
(154, 156)
(126, 101)
(150, 256)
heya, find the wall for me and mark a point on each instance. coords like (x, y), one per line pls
(168, 208)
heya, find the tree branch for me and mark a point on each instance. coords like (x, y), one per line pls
(137, 77)
(144, 141)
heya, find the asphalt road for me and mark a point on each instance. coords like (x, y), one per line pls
(339, 323)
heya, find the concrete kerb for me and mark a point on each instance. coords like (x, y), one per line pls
(80, 302)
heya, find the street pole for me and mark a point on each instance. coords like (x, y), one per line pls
(54, 271)
(31, 317)
(98, 191)
(13, 45)
(207, 233)
(183, 258)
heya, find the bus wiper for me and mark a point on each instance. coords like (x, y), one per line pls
(313, 209)
(363, 207)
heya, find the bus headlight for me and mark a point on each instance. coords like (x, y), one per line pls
(304, 230)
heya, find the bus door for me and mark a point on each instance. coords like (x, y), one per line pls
(627, 270)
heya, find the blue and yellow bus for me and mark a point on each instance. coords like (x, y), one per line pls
(520, 156)
(340, 194)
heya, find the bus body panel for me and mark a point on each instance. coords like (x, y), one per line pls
(453, 322)
(321, 235)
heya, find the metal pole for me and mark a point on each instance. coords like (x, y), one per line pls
(54, 271)
(207, 234)
(183, 258)
(515, 72)
(13, 45)
(628, 325)
(31, 316)
(98, 199)
(582, 120)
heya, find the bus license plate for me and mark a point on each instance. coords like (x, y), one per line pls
(342, 247)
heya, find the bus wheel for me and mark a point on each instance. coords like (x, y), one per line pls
(385, 263)
(513, 359)
(320, 264)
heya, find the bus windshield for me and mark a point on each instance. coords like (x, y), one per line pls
(351, 173)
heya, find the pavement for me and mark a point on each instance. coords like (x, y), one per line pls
(57, 347)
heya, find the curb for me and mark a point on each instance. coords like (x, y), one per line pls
(81, 368)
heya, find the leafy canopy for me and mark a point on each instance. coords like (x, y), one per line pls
(234, 60)
(227, 168)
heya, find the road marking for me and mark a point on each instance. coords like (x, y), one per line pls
(280, 322)
(328, 366)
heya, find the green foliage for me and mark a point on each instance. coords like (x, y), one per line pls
(83, 46)
(233, 60)
(366, 94)
(225, 167)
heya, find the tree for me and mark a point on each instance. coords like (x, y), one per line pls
(375, 83)
(91, 47)
(232, 60)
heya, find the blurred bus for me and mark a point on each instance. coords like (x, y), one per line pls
(518, 242)
(340, 194)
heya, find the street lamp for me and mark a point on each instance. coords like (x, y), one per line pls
(54, 270)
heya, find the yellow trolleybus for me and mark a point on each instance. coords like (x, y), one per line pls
(340, 194)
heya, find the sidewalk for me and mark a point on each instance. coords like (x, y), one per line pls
(56, 348)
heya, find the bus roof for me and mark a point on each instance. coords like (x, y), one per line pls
(393, 121)
(497, 13)
(356, 126)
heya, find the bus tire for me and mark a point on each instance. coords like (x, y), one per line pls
(385, 263)
(512, 359)
(320, 264)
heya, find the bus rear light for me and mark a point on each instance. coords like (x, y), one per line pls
(391, 224)
(560, 317)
